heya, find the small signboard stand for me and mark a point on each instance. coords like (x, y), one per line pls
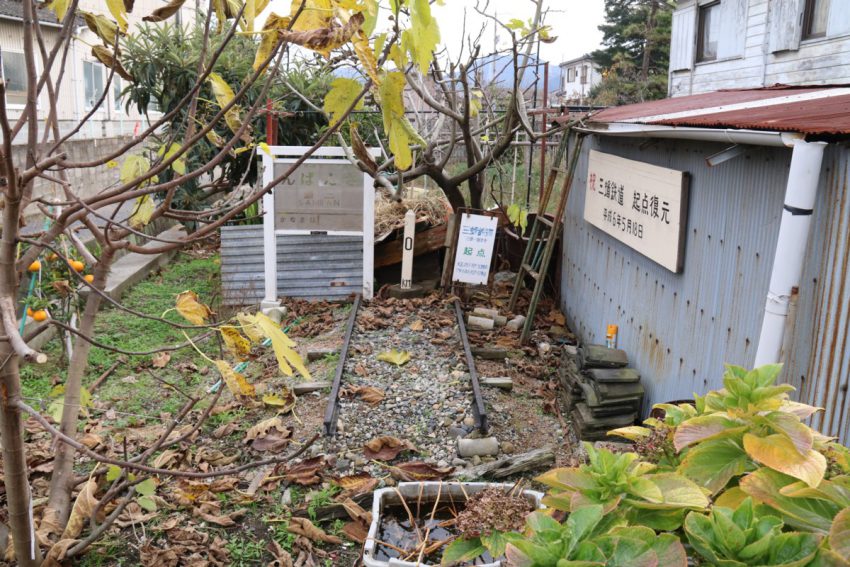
(327, 196)
(473, 241)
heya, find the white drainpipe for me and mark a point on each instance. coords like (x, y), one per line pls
(791, 246)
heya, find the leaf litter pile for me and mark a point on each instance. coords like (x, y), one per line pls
(405, 399)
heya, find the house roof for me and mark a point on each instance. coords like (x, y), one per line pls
(14, 10)
(584, 57)
(813, 110)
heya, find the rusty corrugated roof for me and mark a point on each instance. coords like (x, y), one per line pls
(813, 110)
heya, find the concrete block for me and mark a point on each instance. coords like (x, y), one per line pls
(479, 323)
(516, 323)
(600, 356)
(302, 388)
(415, 291)
(483, 447)
(501, 382)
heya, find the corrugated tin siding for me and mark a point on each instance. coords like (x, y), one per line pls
(316, 266)
(679, 329)
(819, 360)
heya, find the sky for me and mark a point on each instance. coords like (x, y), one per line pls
(573, 22)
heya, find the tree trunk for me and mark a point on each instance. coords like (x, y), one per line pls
(61, 482)
(647, 46)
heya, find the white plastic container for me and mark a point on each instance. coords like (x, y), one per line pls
(411, 491)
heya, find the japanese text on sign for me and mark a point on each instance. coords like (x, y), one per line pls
(641, 205)
(475, 242)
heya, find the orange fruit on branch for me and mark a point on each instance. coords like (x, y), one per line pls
(77, 265)
(35, 266)
(89, 278)
(52, 257)
(30, 311)
(40, 315)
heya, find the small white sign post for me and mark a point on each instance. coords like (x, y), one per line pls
(407, 250)
(475, 241)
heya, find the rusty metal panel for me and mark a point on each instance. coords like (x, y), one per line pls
(819, 357)
(311, 266)
(680, 329)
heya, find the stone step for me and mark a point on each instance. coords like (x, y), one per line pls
(617, 375)
(584, 419)
(600, 356)
(619, 392)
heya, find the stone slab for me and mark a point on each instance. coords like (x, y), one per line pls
(600, 356)
(612, 391)
(588, 421)
(489, 353)
(617, 375)
(302, 388)
(415, 291)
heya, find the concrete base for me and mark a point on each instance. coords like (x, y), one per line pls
(415, 291)
(273, 310)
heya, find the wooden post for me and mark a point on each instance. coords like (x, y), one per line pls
(407, 250)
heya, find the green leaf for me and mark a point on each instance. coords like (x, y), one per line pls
(779, 453)
(495, 543)
(341, 96)
(112, 472)
(670, 551)
(582, 522)
(147, 503)
(712, 464)
(461, 550)
(839, 534)
(705, 427)
(679, 491)
(765, 486)
(146, 488)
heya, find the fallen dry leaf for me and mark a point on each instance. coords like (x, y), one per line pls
(284, 400)
(306, 472)
(399, 358)
(416, 471)
(304, 527)
(417, 325)
(355, 484)
(224, 430)
(211, 512)
(369, 394)
(282, 558)
(268, 435)
(160, 359)
(83, 508)
(386, 448)
(355, 532)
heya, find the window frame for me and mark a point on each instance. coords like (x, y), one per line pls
(700, 27)
(100, 67)
(808, 19)
(116, 96)
(14, 105)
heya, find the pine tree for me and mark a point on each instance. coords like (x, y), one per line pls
(634, 61)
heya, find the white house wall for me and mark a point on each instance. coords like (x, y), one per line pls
(814, 61)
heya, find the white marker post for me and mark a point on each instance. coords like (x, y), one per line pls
(407, 250)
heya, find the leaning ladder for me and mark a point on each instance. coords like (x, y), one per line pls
(541, 243)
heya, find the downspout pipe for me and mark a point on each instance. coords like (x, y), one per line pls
(791, 244)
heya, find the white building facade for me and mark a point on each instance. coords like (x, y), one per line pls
(578, 77)
(723, 44)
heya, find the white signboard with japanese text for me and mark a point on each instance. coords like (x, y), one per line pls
(475, 240)
(643, 206)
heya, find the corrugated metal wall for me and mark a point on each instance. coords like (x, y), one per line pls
(819, 361)
(679, 329)
(316, 266)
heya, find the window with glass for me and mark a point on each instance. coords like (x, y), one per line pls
(708, 31)
(93, 80)
(15, 74)
(815, 16)
(584, 74)
(116, 93)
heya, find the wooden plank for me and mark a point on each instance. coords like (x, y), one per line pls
(389, 253)
(510, 465)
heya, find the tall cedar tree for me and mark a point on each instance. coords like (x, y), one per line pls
(634, 61)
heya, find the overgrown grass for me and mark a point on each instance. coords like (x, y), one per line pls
(131, 389)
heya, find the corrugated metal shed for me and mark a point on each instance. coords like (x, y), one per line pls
(680, 329)
(312, 266)
(819, 360)
(817, 111)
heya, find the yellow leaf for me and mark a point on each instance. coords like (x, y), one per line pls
(778, 453)
(423, 34)
(165, 12)
(282, 346)
(264, 147)
(341, 95)
(284, 401)
(111, 164)
(323, 40)
(250, 328)
(399, 358)
(236, 383)
(392, 109)
(249, 14)
(316, 14)
(223, 96)
(105, 56)
(179, 164)
(191, 309)
(105, 29)
(133, 168)
(60, 8)
(475, 102)
(366, 55)
(83, 508)
(119, 12)
(269, 38)
(235, 342)
(142, 213)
